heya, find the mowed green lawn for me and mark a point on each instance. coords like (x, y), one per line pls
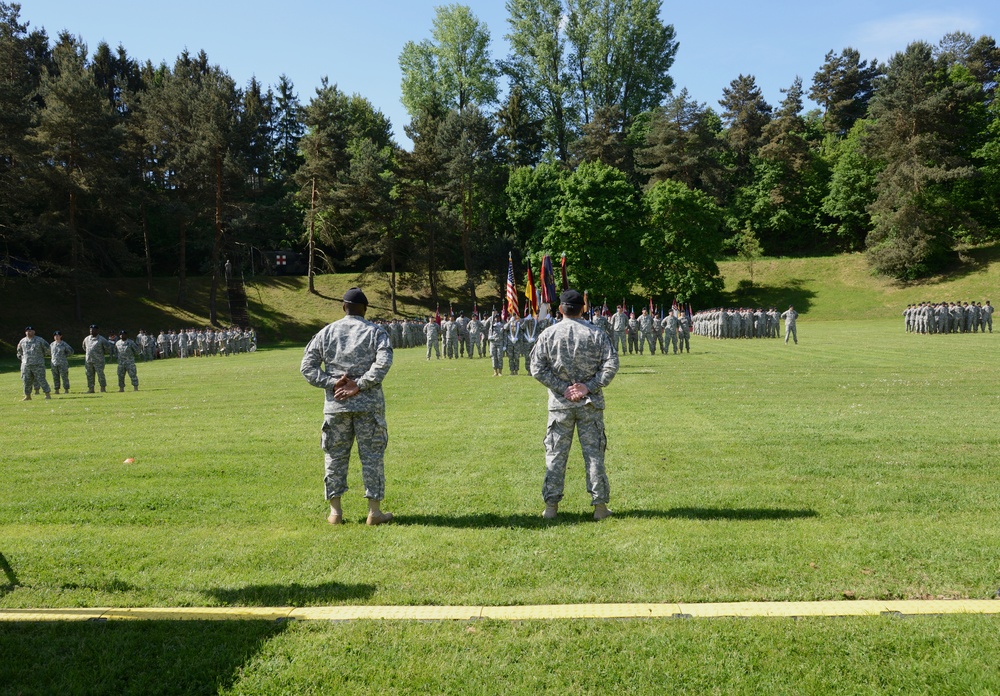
(859, 464)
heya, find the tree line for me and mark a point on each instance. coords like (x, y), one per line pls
(578, 142)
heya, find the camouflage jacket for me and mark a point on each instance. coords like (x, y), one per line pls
(355, 347)
(574, 351)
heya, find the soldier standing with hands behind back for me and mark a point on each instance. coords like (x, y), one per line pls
(356, 356)
(575, 360)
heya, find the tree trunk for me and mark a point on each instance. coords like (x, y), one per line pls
(75, 255)
(312, 237)
(466, 237)
(392, 276)
(213, 317)
(182, 260)
(145, 241)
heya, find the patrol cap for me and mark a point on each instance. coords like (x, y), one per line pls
(29, 328)
(57, 332)
(355, 296)
(122, 332)
(93, 326)
(571, 297)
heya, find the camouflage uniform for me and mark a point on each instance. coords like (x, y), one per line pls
(619, 324)
(60, 350)
(646, 333)
(31, 352)
(128, 351)
(95, 348)
(431, 332)
(475, 331)
(498, 341)
(790, 316)
(569, 352)
(355, 347)
(684, 333)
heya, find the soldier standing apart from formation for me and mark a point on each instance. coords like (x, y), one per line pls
(497, 338)
(790, 316)
(431, 331)
(95, 347)
(128, 353)
(646, 332)
(988, 316)
(31, 351)
(356, 356)
(60, 351)
(575, 360)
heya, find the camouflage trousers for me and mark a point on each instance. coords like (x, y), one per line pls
(496, 355)
(93, 368)
(60, 376)
(618, 337)
(514, 357)
(129, 367)
(33, 377)
(790, 331)
(671, 340)
(645, 338)
(474, 341)
(589, 424)
(684, 338)
(437, 349)
(339, 433)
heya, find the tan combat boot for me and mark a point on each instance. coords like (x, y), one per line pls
(375, 514)
(336, 512)
(551, 510)
(601, 512)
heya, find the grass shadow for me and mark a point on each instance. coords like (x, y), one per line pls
(487, 520)
(520, 521)
(128, 657)
(294, 595)
(732, 514)
(10, 576)
(793, 292)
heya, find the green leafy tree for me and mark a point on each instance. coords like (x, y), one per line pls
(599, 225)
(682, 239)
(851, 191)
(453, 69)
(538, 68)
(533, 199)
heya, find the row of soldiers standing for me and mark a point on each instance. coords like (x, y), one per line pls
(191, 343)
(514, 338)
(948, 317)
(738, 322)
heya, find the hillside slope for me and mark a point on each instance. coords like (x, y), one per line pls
(823, 288)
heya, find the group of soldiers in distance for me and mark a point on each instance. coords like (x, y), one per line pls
(738, 322)
(32, 349)
(514, 337)
(948, 317)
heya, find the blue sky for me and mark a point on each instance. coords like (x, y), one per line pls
(357, 43)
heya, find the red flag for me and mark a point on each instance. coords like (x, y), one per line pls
(565, 283)
(530, 295)
(437, 315)
(651, 312)
(512, 302)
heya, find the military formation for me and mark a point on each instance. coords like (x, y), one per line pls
(121, 349)
(948, 317)
(737, 322)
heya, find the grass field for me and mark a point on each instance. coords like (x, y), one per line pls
(859, 464)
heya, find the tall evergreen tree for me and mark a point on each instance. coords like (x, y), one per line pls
(842, 87)
(77, 136)
(917, 121)
(745, 113)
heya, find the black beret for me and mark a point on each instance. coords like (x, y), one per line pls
(571, 297)
(355, 296)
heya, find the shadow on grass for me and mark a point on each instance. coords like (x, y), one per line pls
(128, 657)
(487, 520)
(293, 595)
(793, 292)
(9, 575)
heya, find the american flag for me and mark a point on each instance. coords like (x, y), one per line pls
(511, 289)
(547, 281)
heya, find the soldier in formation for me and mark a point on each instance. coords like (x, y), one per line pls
(31, 351)
(733, 322)
(96, 348)
(60, 351)
(128, 353)
(948, 317)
